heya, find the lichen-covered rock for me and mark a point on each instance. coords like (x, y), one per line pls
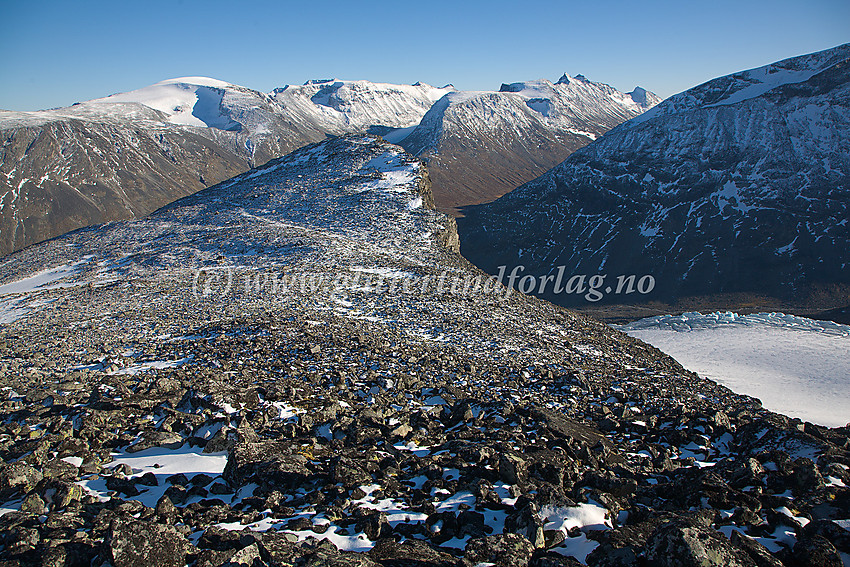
(527, 523)
(837, 536)
(19, 476)
(332, 558)
(150, 439)
(60, 493)
(550, 559)
(757, 552)
(606, 555)
(271, 462)
(512, 468)
(33, 504)
(816, 551)
(679, 544)
(281, 548)
(411, 553)
(132, 543)
(502, 550)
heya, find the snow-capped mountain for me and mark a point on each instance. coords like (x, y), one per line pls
(480, 145)
(191, 101)
(739, 184)
(339, 107)
(125, 155)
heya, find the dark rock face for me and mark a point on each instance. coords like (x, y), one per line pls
(18, 476)
(344, 426)
(502, 550)
(816, 550)
(737, 185)
(757, 552)
(411, 553)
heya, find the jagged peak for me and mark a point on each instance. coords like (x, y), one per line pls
(319, 81)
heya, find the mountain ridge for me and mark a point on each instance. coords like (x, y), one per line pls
(169, 139)
(127, 154)
(482, 144)
(749, 196)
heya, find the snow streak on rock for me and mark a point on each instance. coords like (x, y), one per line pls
(480, 145)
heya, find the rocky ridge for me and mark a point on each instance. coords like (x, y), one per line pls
(163, 403)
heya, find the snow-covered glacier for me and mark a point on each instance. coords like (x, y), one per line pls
(794, 365)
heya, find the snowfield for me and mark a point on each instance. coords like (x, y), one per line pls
(794, 365)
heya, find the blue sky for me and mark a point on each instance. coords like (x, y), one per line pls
(56, 53)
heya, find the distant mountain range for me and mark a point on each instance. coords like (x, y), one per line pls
(480, 145)
(128, 154)
(741, 184)
(125, 155)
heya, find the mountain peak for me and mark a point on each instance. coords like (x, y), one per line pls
(644, 97)
(654, 209)
(567, 79)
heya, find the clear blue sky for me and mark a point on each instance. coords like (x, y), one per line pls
(55, 53)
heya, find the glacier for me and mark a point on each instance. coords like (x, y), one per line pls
(794, 365)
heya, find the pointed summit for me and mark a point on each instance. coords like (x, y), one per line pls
(638, 95)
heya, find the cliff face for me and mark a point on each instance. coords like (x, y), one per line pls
(447, 231)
